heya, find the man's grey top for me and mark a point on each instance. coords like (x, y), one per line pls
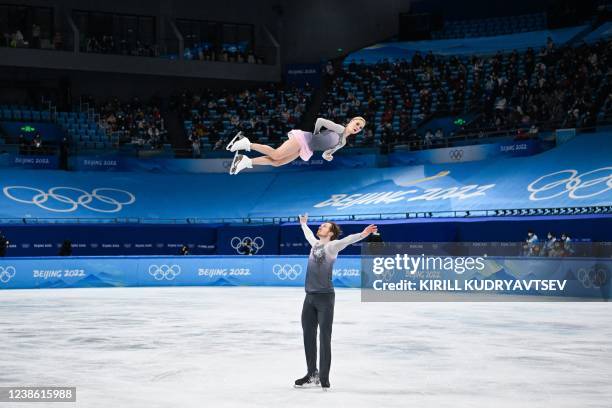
(328, 140)
(321, 261)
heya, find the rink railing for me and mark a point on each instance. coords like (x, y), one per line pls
(502, 212)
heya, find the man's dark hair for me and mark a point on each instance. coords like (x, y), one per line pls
(335, 229)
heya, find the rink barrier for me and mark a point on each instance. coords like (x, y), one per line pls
(587, 277)
(80, 272)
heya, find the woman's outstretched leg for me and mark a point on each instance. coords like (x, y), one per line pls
(284, 154)
(289, 148)
(267, 161)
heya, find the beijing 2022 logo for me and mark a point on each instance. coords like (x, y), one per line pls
(69, 199)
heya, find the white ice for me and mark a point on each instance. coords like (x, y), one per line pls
(242, 347)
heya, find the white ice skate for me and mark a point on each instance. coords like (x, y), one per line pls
(240, 163)
(239, 142)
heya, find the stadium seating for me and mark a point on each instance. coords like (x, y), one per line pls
(492, 26)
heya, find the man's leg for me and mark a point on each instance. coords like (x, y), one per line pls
(309, 326)
(325, 311)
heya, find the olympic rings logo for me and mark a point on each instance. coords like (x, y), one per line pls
(7, 273)
(84, 200)
(166, 272)
(569, 181)
(287, 271)
(595, 277)
(238, 244)
(456, 154)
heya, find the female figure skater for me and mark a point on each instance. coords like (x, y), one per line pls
(300, 143)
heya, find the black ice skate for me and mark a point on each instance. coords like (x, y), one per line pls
(309, 380)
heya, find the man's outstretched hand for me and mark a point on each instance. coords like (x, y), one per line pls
(303, 218)
(370, 229)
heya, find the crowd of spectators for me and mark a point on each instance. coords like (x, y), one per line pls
(32, 38)
(559, 86)
(265, 114)
(568, 86)
(401, 93)
(222, 55)
(107, 44)
(551, 247)
(138, 122)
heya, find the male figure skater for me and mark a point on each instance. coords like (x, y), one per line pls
(318, 309)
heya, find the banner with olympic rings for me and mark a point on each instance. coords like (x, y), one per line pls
(576, 174)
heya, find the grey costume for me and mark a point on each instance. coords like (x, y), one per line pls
(327, 141)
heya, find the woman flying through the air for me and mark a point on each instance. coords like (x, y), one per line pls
(300, 144)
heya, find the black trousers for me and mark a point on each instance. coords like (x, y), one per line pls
(318, 310)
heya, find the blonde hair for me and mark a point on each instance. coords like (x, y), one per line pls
(359, 118)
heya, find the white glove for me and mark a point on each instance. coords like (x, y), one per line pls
(328, 156)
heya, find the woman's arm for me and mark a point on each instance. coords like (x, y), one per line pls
(328, 124)
(328, 154)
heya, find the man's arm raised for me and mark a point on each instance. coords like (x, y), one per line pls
(307, 232)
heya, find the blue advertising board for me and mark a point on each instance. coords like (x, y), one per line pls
(462, 154)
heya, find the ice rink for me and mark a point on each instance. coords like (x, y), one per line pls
(242, 347)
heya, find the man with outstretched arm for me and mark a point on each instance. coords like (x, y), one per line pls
(318, 309)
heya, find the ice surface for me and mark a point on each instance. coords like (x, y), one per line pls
(242, 347)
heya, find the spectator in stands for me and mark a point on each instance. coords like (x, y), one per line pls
(37, 142)
(368, 139)
(58, 41)
(184, 250)
(4, 243)
(439, 137)
(428, 140)
(246, 248)
(557, 250)
(531, 242)
(195, 148)
(19, 40)
(329, 69)
(567, 244)
(220, 144)
(64, 151)
(549, 243)
(35, 42)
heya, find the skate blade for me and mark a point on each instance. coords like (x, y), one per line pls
(234, 140)
(235, 161)
(306, 387)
